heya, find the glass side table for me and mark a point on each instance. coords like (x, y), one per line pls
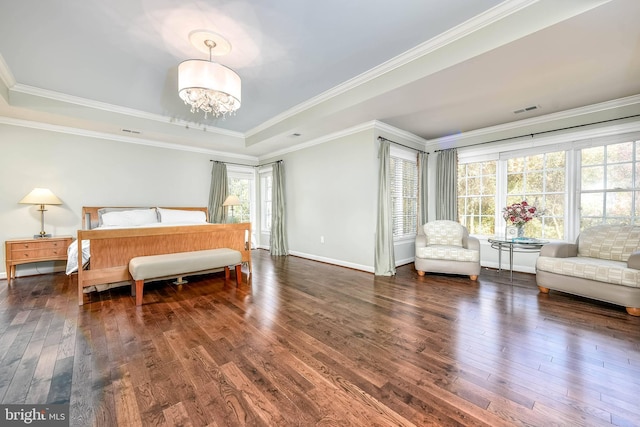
(518, 244)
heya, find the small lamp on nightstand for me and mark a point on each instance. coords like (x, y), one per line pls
(231, 201)
(41, 196)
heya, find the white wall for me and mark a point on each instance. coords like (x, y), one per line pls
(84, 171)
(331, 194)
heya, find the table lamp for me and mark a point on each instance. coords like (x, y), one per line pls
(231, 201)
(41, 196)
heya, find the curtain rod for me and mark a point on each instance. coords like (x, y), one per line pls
(406, 146)
(544, 131)
(249, 166)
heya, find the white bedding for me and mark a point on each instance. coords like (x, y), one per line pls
(72, 251)
(72, 256)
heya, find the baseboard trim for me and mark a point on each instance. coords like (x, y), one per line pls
(518, 268)
(354, 266)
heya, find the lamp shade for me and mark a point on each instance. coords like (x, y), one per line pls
(231, 201)
(41, 196)
(209, 76)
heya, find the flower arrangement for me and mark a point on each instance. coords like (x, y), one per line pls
(520, 213)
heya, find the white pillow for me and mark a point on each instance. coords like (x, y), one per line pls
(129, 218)
(174, 216)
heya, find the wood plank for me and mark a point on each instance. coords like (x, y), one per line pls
(177, 415)
(43, 374)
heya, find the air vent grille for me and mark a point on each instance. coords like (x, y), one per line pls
(526, 109)
(135, 132)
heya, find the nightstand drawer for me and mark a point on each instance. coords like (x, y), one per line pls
(37, 253)
(45, 244)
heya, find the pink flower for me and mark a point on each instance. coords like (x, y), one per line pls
(520, 213)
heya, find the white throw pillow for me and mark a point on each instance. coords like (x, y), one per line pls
(175, 216)
(129, 218)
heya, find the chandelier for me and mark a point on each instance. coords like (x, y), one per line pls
(205, 85)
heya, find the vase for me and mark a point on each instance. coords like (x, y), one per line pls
(520, 230)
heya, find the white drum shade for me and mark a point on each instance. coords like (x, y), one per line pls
(209, 86)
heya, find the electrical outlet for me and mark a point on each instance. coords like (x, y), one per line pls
(322, 239)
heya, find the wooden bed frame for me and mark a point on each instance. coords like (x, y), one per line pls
(111, 250)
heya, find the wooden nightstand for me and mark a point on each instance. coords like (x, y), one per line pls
(24, 251)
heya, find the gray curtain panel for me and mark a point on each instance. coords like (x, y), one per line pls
(218, 193)
(423, 159)
(385, 262)
(279, 245)
(447, 185)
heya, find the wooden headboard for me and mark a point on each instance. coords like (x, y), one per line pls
(90, 213)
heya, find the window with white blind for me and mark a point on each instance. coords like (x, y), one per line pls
(404, 193)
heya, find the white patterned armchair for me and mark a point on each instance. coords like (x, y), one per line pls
(604, 264)
(446, 247)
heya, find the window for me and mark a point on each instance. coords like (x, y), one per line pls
(610, 184)
(477, 197)
(404, 193)
(539, 179)
(241, 187)
(578, 183)
(241, 182)
(265, 189)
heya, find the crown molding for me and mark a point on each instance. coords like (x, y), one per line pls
(6, 76)
(371, 125)
(561, 115)
(321, 140)
(410, 137)
(111, 108)
(476, 23)
(119, 138)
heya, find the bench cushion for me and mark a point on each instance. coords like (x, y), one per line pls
(175, 264)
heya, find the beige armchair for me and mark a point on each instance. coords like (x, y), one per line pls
(446, 247)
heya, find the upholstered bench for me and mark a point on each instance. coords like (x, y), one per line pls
(181, 263)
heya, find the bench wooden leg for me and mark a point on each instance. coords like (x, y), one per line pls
(634, 311)
(238, 274)
(227, 273)
(139, 286)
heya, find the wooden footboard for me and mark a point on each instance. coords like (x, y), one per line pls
(111, 250)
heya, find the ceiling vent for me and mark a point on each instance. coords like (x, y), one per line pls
(527, 109)
(135, 132)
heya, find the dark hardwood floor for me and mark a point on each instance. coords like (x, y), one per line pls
(308, 344)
